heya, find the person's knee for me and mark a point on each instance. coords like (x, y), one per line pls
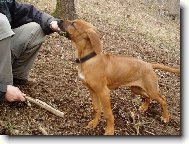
(4, 21)
(5, 28)
(36, 29)
(35, 26)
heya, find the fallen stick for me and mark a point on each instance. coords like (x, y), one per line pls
(45, 106)
(43, 131)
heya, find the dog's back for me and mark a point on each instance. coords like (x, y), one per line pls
(125, 70)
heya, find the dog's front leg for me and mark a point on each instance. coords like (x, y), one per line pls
(97, 110)
(104, 95)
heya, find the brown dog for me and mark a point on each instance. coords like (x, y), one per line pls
(103, 72)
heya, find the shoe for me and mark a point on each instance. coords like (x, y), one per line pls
(29, 81)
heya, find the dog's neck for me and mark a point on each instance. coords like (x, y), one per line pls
(83, 48)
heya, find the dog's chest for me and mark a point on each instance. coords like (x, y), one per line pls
(80, 73)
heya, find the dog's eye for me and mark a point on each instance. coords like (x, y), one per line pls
(72, 23)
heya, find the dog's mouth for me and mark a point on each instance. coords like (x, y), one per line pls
(67, 35)
(68, 28)
(63, 31)
(72, 32)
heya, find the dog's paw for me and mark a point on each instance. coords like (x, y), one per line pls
(143, 109)
(165, 119)
(92, 124)
(109, 131)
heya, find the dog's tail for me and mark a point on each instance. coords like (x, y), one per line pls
(166, 68)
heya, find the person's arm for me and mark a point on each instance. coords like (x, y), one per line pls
(25, 13)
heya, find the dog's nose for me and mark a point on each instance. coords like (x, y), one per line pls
(60, 25)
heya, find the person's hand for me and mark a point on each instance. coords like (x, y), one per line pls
(54, 26)
(14, 94)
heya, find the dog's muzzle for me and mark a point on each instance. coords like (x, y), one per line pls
(63, 31)
(67, 35)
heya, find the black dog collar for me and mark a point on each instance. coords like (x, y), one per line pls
(85, 58)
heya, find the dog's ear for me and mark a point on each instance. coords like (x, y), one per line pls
(95, 41)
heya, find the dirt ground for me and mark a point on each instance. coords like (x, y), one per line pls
(127, 27)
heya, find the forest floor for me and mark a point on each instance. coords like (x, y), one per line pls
(127, 27)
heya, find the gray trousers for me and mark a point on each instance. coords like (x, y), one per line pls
(18, 50)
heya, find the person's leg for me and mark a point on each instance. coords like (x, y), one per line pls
(25, 45)
(6, 32)
(6, 77)
(5, 28)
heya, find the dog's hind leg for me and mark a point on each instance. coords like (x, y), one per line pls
(165, 114)
(144, 107)
(97, 109)
(153, 92)
(140, 91)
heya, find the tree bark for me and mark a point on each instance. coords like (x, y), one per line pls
(65, 9)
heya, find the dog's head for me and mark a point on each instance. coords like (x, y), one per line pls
(78, 30)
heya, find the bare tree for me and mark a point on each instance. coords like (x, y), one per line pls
(65, 9)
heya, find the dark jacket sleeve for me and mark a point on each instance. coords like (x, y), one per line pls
(25, 13)
(3, 89)
(1, 6)
(2, 96)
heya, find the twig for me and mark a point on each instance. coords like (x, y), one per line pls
(45, 106)
(43, 131)
(149, 132)
(136, 125)
(133, 117)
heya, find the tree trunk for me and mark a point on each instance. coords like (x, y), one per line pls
(65, 9)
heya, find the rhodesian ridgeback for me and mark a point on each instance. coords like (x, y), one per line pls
(103, 72)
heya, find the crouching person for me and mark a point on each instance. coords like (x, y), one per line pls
(22, 32)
